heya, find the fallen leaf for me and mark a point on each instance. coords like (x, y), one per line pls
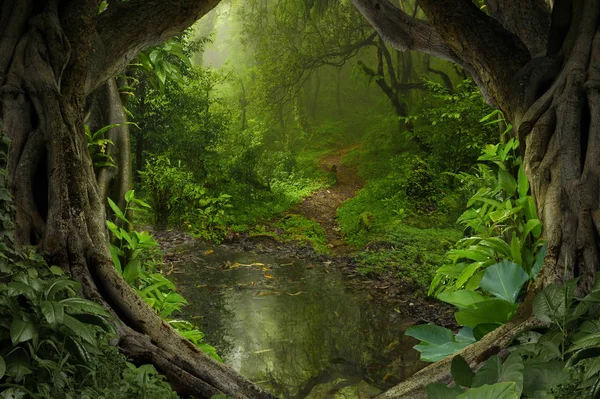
(268, 276)
(296, 294)
(209, 251)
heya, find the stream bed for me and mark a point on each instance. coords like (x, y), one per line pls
(295, 327)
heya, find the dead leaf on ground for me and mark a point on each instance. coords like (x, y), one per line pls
(209, 251)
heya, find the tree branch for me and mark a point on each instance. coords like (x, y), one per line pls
(126, 28)
(528, 19)
(402, 31)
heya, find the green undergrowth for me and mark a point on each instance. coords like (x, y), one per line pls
(295, 228)
(408, 253)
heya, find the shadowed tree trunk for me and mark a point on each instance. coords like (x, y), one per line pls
(52, 55)
(553, 102)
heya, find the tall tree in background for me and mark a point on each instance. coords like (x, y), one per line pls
(541, 67)
(53, 55)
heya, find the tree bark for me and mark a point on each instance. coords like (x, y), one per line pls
(59, 205)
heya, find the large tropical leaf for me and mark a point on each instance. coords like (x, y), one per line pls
(504, 280)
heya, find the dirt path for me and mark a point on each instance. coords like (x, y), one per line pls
(322, 205)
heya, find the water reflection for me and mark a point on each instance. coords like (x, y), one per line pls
(292, 326)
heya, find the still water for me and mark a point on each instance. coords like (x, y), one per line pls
(295, 327)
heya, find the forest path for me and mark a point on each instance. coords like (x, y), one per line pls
(321, 206)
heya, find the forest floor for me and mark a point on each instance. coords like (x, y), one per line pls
(321, 206)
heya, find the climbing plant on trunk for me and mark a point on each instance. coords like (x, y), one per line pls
(541, 66)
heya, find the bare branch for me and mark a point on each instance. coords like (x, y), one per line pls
(126, 28)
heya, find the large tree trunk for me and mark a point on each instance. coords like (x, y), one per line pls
(45, 52)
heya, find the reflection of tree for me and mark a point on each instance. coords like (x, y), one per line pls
(291, 343)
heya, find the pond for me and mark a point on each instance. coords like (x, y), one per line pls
(296, 327)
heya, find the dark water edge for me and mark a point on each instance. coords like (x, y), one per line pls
(295, 326)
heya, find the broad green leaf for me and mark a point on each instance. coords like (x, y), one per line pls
(57, 271)
(462, 298)
(481, 330)
(21, 331)
(512, 370)
(461, 372)
(442, 391)
(129, 195)
(531, 225)
(523, 184)
(486, 312)
(549, 305)
(465, 335)
(489, 373)
(434, 353)
(540, 378)
(504, 280)
(430, 333)
(53, 311)
(501, 390)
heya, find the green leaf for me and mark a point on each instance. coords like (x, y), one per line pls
(586, 342)
(549, 305)
(487, 312)
(79, 329)
(498, 245)
(461, 372)
(442, 391)
(2, 367)
(501, 390)
(58, 286)
(539, 262)
(523, 184)
(515, 249)
(53, 311)
(504, 280)
(507, 182)
(481, 330)
(115, 253)
(132, 270)
(21, 331)
(117, 211)
(489, 373)
(435, 353)
(430, 333)
(512, 370)
(81, 305)
(462, 298)
(57, 271)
